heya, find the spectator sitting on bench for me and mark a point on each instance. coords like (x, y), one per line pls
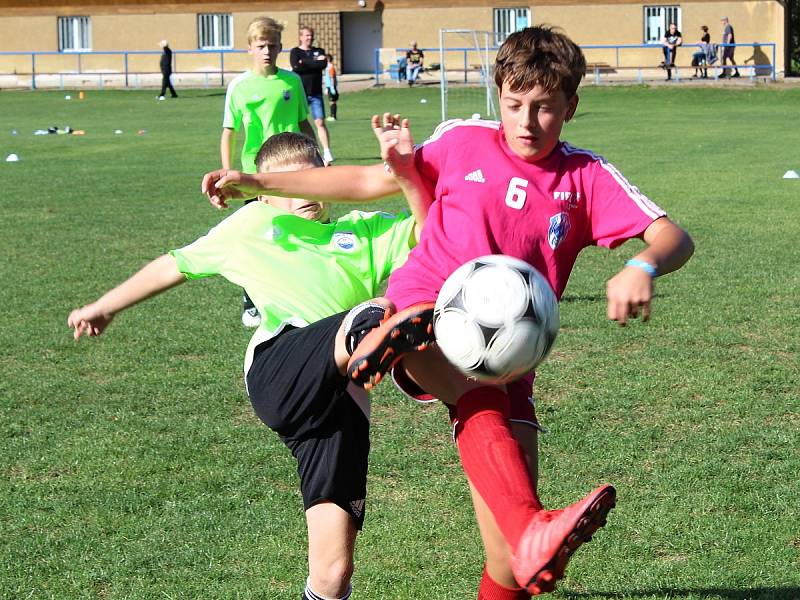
(414, 61)
(671, 40)
(704, 56)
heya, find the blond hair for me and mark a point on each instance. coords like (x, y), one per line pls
(542, 56)
(287, 148)
(263, 28)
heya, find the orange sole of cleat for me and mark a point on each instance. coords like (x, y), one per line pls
(406, 331)
(593, 518)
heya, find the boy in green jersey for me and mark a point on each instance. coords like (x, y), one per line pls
(303, 273)
(262, 101)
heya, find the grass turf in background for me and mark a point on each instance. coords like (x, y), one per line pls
(134, 468)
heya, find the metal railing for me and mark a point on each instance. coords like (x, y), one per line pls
(194, 67)
(122, 71)
(753, 70)
(595, 68)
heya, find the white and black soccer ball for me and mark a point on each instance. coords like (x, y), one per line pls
(496, 318)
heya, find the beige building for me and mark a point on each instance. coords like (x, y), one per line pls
(200, 33)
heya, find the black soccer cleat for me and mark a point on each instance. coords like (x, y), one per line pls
(409, 330)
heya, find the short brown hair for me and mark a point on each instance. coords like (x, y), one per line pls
(287, 148)
(262, 28)
(542, 56)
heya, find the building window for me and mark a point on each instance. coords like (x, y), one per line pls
(509, 20)
(74, 34)
(215, 31)
(657, 20)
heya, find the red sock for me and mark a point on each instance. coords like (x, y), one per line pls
(494, 462)
(491, 590)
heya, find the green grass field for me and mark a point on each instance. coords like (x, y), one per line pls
(133, 467)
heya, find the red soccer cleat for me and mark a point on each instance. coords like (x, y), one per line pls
(406, 331)
(553, 535)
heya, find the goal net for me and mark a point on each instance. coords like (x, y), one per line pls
(467, 82)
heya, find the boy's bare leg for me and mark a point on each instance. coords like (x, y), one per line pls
(322, 133)
(331, 542)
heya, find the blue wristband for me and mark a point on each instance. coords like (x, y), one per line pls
(641, 264)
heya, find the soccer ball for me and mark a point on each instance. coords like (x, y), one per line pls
(496, 318)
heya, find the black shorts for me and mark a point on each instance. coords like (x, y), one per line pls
(332, 96)
(297, 391)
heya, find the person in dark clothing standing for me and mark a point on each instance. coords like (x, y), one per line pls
(166, 70)
(309, 62)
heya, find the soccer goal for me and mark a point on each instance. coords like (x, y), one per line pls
(467, 85)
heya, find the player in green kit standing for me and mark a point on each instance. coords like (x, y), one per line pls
(262, 101)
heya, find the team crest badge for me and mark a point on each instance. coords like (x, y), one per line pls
(274, 234)
(558, 230)
(287, 95)
(345, 240)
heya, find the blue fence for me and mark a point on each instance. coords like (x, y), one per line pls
(215, 74)
(761, 66)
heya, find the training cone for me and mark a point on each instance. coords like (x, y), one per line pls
(12, 158)
(791, 175)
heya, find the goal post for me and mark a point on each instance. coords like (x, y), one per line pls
(466, 74)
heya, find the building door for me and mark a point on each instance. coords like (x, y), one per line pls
(362, 32)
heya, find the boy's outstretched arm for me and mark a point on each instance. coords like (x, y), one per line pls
(342, 183)
(397, 152)
(630, 291)
(156, 277)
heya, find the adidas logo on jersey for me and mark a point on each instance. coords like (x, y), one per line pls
(476, 176)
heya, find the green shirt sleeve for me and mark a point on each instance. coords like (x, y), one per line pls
(209, 254)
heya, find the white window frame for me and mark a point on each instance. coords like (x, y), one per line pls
(657, 20)
(214, 31)
(508, 20)
(74, 34)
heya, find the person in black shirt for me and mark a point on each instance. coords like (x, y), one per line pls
(166, 70)
(700, 58)
(671, 40)
(309, 62)
(414, 59)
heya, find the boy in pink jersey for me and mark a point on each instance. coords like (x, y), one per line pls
(506, 188)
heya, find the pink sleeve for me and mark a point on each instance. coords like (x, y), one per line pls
(618, 211)
(429, 156)
(427, 159)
